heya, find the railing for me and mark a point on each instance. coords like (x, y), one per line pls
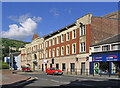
(86, 72)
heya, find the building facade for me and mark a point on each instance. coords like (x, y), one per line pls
(105, 56)
(68, 48)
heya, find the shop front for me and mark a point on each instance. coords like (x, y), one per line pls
(105, 63)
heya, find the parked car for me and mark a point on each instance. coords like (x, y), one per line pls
(53, 71)
(26, 69)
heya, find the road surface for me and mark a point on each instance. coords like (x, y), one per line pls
(44, 81)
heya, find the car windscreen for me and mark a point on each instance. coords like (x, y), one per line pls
(55, 69)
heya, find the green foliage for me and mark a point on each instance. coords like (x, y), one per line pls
(5, 65)
(12, 43)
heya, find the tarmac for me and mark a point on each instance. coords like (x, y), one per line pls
(13, 79)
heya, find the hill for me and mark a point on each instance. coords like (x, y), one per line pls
(12, 43)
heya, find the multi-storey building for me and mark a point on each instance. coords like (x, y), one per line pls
(105, 56)
(68, 48)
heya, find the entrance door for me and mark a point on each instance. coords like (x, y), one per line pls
(42, 67)
(63, 66)
(96, 68)
(83, 67)
(72, 65)
(57, 66)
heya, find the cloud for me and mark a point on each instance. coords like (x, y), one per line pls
(27, 28)
(24, 18)
(68, 10)
(55, 11)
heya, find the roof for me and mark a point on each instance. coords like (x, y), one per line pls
(113, 39)
(60, 30)
(35, 36)
(113, 14)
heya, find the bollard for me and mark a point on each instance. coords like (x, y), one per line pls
(67, 70)
(93, 72)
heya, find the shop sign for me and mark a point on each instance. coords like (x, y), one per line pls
(106, 57)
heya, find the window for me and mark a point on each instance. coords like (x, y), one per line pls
(57, 39)
(62, 50)
(62, 38)
(53, 52)
(72, 67)
(58, 51)
(57, 66)
(74, 34)
(67, 50)
(82, 32)
(50, 65)
(115, 46)
(96, 49)
(46, 44)
(68, 36)
(82, 47)
(34, 47)
(46, 54)
(53, 41)
(74, 48)
(42, 46)
(42, 55)
(49, 42)
(106, 48)
(50, 53)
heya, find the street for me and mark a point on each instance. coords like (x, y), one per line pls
(44, 80)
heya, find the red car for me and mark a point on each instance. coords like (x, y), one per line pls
(26, 69)
(54, 71)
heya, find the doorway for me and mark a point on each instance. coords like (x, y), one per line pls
(83, 68)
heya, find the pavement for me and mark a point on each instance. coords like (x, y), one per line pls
(9, 79)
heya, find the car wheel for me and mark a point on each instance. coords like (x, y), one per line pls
(46, 73)
(53, 73)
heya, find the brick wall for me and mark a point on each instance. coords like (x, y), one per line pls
(102, 28)
(70, 42)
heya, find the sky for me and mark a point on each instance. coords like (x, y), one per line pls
(20, 20)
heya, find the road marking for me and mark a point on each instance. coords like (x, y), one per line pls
(54, 80)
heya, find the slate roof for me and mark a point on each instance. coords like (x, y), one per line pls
(113, 39)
